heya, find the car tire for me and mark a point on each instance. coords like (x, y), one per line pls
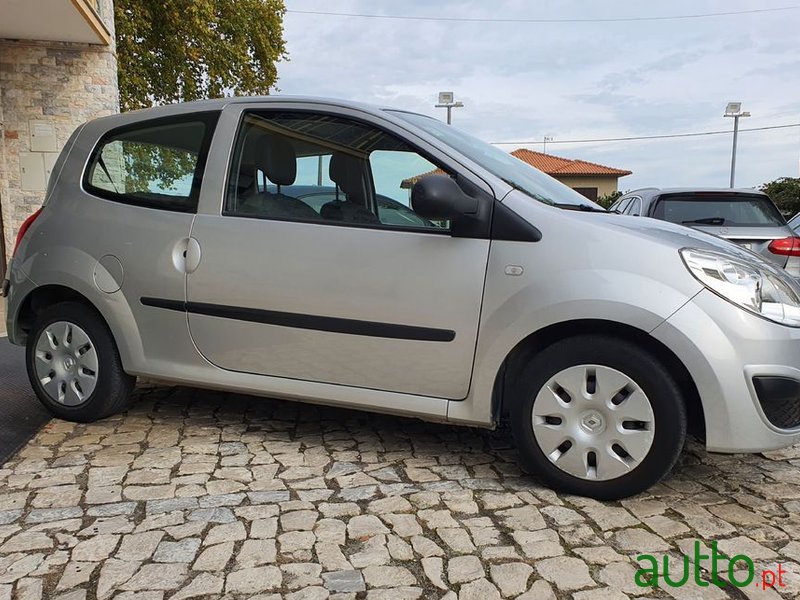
(607, 401)
(74, 366)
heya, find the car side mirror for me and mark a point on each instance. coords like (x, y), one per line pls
(440, 197)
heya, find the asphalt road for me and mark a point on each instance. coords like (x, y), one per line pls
(21, 414)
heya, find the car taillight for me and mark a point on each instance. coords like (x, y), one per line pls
(25, 226)
(789, 246)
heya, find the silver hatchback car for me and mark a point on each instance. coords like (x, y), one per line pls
(175, 243)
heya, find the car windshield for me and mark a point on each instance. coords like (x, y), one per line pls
(510, 169)
(719, 209)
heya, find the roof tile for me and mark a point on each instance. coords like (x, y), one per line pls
(556, 165)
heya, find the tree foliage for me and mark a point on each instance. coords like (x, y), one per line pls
(158, 169)
(181, 50)
(785, 193)
(608, 199)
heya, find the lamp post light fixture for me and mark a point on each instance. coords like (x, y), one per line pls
(734, 109)
(446, 100)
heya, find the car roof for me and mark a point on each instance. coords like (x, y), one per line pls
(180, 108)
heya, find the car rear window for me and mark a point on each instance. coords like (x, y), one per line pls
(157, 164)
(734, 210)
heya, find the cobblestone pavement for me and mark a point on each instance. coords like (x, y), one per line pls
(195, 494)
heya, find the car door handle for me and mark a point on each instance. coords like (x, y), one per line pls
(186, 255)
(193, 255)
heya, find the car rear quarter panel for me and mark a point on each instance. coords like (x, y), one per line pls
(77, 229)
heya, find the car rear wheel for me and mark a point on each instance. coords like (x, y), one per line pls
(74, 366)
(598, 417)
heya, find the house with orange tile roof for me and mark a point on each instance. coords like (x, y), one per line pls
(588, 178)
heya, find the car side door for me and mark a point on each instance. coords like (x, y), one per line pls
(333, 295)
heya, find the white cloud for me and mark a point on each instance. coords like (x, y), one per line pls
(573, 81)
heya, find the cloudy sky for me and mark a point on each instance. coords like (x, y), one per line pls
(522, 81)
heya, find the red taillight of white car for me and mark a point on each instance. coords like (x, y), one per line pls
(789, 246)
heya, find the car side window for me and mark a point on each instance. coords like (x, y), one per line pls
(635, 207)
(395, 172)
(157, 164)
(318, 168)
(623, 205)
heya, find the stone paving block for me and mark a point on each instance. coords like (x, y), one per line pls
(511, 578)
(388, 576)
(254, 553)
(253, 580)
(480, 589)
(96, 548)
(566, 573)
(183, 551)
(344, 581)
(461, 569)
(204, 494)
(228, 532)
(139, 546)
(365, 526)
(75, 573)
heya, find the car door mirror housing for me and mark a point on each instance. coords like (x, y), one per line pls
(440, 197)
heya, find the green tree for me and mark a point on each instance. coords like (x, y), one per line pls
(785, 193)
(181, 50)
(608, 199)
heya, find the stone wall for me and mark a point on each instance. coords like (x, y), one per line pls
(59, 84)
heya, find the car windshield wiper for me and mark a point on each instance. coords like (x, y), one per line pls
(564, 205)
(706, 221)
(581, 207)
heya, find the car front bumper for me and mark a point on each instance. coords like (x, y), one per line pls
(746, 369)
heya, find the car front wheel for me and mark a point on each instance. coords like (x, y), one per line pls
(598, 417)
(74, 366)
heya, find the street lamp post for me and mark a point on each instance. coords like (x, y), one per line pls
(446, 101)
(734, 109)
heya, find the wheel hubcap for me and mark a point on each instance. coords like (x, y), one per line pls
(66, 363)
(593, 422)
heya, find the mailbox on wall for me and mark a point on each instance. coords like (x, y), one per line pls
(42, 136)
(35, 166)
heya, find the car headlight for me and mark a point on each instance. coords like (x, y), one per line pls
(759, 288)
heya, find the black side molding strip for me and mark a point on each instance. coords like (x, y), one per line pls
(301, 321)
(163, 303)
